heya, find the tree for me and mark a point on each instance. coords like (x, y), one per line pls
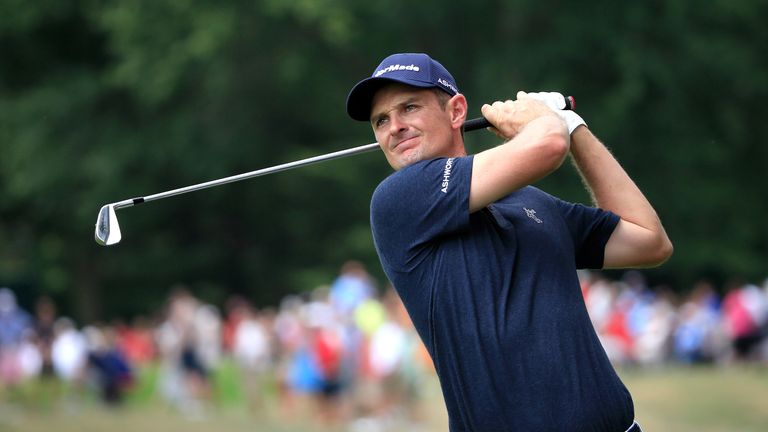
(102, 101)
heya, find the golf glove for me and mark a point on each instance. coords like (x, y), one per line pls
(556, 102)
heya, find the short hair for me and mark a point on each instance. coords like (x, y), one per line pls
(442, 97)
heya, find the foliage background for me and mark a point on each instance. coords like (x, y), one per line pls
(106, 100)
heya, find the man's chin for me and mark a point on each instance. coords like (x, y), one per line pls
(409, 158)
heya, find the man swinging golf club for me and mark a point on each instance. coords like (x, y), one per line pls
(486, 264)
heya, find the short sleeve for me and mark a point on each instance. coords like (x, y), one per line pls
(590, 229)
(417, 204)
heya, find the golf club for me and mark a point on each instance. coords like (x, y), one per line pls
(108, 232)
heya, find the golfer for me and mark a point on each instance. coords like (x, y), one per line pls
(486, 264)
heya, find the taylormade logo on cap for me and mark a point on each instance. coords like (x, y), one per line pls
(396, 67)
(413, 69)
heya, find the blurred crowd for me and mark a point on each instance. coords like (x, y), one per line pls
(347, 352)
(647, 326)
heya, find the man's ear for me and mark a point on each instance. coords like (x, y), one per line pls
(457, 108)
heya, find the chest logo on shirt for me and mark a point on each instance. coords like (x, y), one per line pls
(446, 175)
(532, 214)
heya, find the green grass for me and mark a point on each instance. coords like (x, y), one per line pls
(700, 399)
(666, 399)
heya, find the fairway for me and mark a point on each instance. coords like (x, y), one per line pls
(700, 399)
(667, 399)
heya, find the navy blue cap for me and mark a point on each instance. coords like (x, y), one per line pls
(418, 70)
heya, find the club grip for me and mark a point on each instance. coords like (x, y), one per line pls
(482, 123)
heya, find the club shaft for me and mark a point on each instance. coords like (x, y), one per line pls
(469, 125)
(244, 176)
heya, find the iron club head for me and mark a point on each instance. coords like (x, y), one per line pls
(107, 228)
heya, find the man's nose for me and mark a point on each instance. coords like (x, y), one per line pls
(396, 125)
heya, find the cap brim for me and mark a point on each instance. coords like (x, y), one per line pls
(361, 96)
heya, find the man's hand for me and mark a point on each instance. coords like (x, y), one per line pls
(510, 117)
(536, 144)
(556, 101)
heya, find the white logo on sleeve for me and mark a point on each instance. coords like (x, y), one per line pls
(446, 175)
(532, 214)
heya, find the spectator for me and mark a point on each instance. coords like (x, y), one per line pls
(184, 376)
(388, 349)
(352, 287)
(136, 341)
(252, 351)
(45, 319)
(108, 367)
(327, 349)
(69, 352)
(745, 311)
(654, 337)
(29, 357)
(696, 334)
(14, 324)
(207, 332)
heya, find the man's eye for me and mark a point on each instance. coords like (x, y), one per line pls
(410, 107)
(380, 122)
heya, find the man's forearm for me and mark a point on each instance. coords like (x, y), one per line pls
(640, 239)
(610, 186)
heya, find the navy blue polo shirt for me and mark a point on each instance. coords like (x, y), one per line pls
(496, 299)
